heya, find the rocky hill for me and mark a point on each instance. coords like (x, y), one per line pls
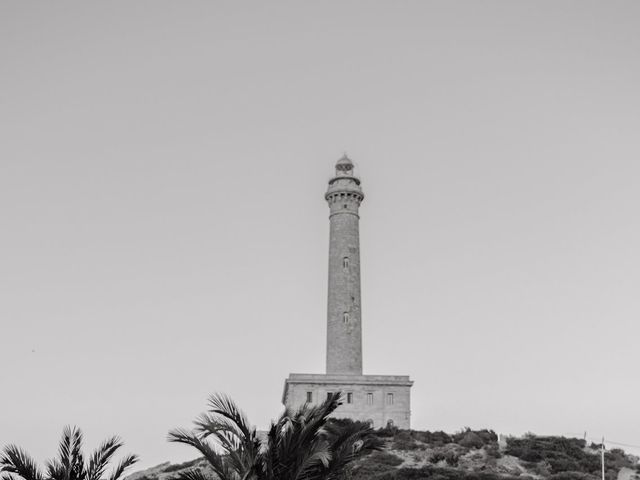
(467, 455)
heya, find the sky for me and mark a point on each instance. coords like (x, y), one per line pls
(164, 232)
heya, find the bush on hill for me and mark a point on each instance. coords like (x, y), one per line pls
(464, 455)
(475, 438)
(467, 438)
(404, 440)
(572, 476)
(567, 455)
(385, 458)
(430, 473)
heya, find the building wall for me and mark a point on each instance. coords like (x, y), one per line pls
(379, 412)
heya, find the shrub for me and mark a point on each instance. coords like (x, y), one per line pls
(367, 469)
(616, 459)
(451, 459)
(466, 437)
(475, 438)
(471, 440)
(492, 450)
(535, 449)
(437, 473)
(571, 476)
(435, 438)
(541, 468)
(403, 440)
(386, 432)
(567, 455)
(563, 464)
(384, 458)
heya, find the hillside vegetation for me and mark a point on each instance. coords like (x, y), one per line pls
(466, 455)
(476, 455)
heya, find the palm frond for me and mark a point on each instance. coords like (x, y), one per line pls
(55, 470)
(296, 448)
(15, 461)
(101, 457)
(70, 459)
(216, 460)
(223, 405)
(347, 443)
(314, 463)
(186, 437)
(230, 429)
(222, 429)
(304, 444)
(125, 463)
(301, 444)
(313, 419)
(192, 474)
(69, 463)
(64, 448)
(211, 424)
(77, 465)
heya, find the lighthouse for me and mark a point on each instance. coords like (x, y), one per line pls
(344, 319)
(380, 400)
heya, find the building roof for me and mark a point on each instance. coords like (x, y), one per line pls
(344, 163)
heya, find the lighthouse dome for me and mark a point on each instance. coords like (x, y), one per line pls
(344, 165)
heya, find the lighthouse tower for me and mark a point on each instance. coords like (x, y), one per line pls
(381, 400)
(344, 326)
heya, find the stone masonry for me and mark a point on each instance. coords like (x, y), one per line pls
(344, 329)
(381, 400)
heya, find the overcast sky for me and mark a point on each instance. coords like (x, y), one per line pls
(164, 234)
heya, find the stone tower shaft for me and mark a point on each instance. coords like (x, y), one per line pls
(344, 313)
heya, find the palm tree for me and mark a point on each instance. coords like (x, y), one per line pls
(70, 464)
(300, 445)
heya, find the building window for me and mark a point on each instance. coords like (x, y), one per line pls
(345, 317)
(329, 395)
(309, 397)
(369, 398)
(349, 397)
(345, 263)
(389, 398)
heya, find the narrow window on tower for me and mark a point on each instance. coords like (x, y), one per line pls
(389, 398)
(345, 263)
(369, 398)
(309, 397)
(349, 397)
(345, 317)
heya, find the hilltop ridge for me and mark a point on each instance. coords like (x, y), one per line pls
(466, 455)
